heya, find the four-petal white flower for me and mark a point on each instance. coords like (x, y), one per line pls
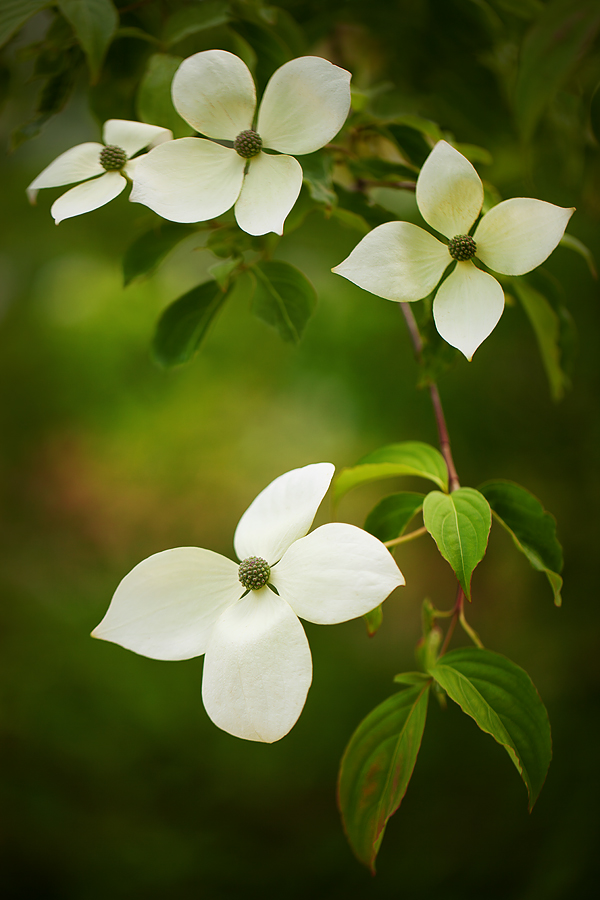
(400, 261)
(110, 160)
(186, 602)
(304, 105)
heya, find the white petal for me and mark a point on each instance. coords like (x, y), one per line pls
(188, 180)
(282, 513)
(519, 234)
(467, 307)
(214, 92)
(133, 136)
(304, 105)
(76, 164)
(258, 668)
(336, 573)
(270, 189)
(397, 261)
(449, 191)
(167, 606)
(88, 196)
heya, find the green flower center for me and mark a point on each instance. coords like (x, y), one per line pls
(254, 573)
(248, 144)
(113, 158)
(462, 247)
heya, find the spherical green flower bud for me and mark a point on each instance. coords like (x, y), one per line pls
(248, 144)
(462, 247)
(254, 573)
(113, 158)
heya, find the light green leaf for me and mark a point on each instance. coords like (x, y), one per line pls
(374, 620)
(573, 243)
(546, 326)
(532, 528)
(94, 23)
(377, 766)
(350, 219)
(407, 458)
(411, 678)
(502, 699)
(316, 172)
(284, 298)
(222, 271)
(14, 14)
(144, 255)
(153, 101)
(390, 517)
(183, 325)
(195, 18)
(460, 524)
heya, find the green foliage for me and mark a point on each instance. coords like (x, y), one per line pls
(374, 620)
(389, 518)
(14, 14)
(283, 298)
(460, 524)
(503, 701)
(407, 458)
(316, 172)
(147, 252)
(573, 243)
(94, 22)
(532, 528)
(190, 20)
(154, 103)
(184, 324)
(377, 766)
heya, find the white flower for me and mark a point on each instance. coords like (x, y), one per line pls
(400, 261)
(185, 602)
(191, 179)
(110, 160)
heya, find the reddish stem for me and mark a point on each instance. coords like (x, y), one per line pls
(458, 605)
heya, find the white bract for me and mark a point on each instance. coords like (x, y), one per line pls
(187, 602)
(400, 261)
(304, 105)
(111, 161)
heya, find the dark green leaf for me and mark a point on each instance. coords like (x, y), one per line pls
(503, 700)
(374, 620)
(390, 517)
(94, 22)
(547, 328)
(562, 35)
(54, 95)
(573, 243)
(411, 678)
(407, 458)
(184, 323)
(357, 203)
(198, 17)
(522, 9)
(14, 14)
(147, 251)
(271, 50)
(377, 766)
(154, 103)
(284, 298)
(460, 524)
(317, 168)
(349, 219)
(532, 528)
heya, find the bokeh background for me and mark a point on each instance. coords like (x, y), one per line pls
(114, 781)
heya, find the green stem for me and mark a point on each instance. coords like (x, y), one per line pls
(406, 537)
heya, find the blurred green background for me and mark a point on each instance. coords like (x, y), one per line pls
(114, 782)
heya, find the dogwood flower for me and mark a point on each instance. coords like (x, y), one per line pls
(192, 179)
(111, 161)
(400, 261)
(188, 601)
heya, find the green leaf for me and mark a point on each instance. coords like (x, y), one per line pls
(183, 325)
(58, 87)
(532, 528)
(573, 243)
(411, 678)
(547, 328)
(284, 298)
(317, 168)
(562, 35)
(153, 102)
(350, 219)
(143, 256)
(377, 766)
(192, 19)
(94, 22)
(390, 517)
(408, 458)
(14, 14)
(460, 524)
(223, 270)
(374, 620)
(522, 9)
(502, 699)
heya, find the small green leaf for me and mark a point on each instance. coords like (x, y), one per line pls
(377, 766)
(546, 325)
(390, 517)
(222, 271)
(316, 172)
(94, 22)
(183, 325)
(61, 69)
(374, 620)
(573, 243)
(502, 699)
(408, 458)
(143, 256)
(411, 678)
(14, 14)
(460, 524)
(532, 528)
(350, 219)
(284, 298)
(153, 102)
(192, 19)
